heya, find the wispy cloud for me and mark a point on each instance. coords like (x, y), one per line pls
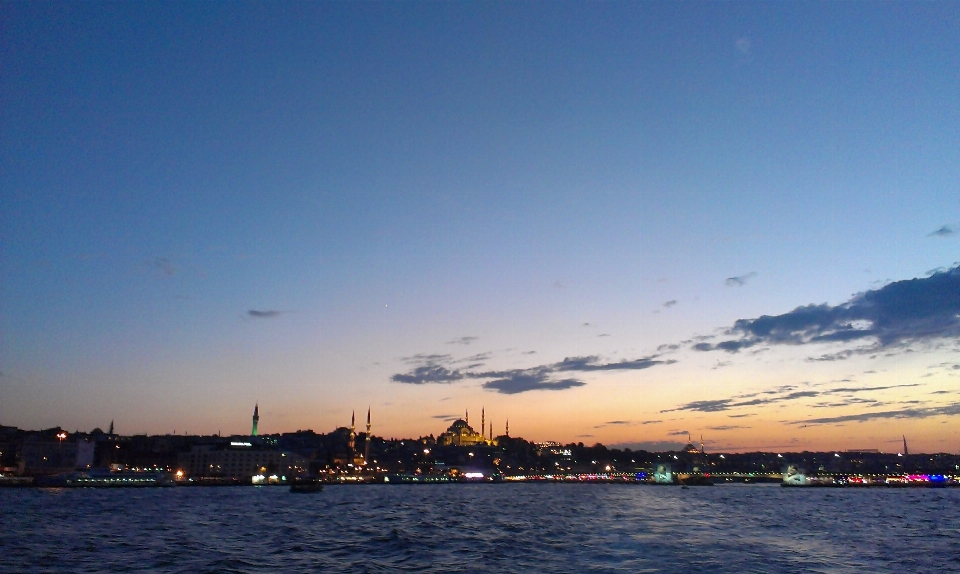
(462, 340)
(781, 394)
(909, 413)
(265, 314)
(898, 313)
(442, 369)
(670, 303)
(650, 446)
(944, 231)
(678, 433)
(740, 280)
(726, 427)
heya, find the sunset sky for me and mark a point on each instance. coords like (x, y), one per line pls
(606, 222)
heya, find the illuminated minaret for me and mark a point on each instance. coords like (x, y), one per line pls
(491, 431)
(483, 421)
(256, 419)
(366, 446)
(466, 416)
(353, 433)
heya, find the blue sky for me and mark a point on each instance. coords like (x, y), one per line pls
(389, 187)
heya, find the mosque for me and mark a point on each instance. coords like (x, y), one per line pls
(460, 433)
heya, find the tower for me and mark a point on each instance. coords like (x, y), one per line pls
(905, 451)
(110, 432)
(508, 427)
(483, 421)
(466, 416)
(366, 445)
(256, 419)
(353, 433)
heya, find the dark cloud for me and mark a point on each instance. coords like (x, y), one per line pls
(784, 393)
(726, 427)
(670, 303)
(462, 341)
(164, 266)
(425, 374)
(522, 382)
(269, 314)
(439, 369)
(651, 422)
(604, 335)
(446, 417)
(910, 413)
(896, 314)
(945, 231)
(741, 416)
(739, 281)
(591, 364)
(678, 433)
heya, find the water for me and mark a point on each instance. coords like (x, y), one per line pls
(474, 528)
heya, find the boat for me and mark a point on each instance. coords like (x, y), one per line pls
(306, 484)
(103, 478)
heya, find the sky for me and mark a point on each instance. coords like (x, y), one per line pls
(615, 222)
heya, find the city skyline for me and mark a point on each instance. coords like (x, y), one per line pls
(608, 222)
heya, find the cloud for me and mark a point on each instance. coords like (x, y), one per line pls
(651, 422)
(726, 427)
(524, 381)
(462, 341)
(614, 423)
(898, 313)
(944, 231)
(438, 369)
(425, 374)
(739, 281)
(268, 314)
(590, 364)
(650, 446)
(450, 418)
(670, 303)
(910, 413)
(781, 394)
(678, 433)
(163, 265)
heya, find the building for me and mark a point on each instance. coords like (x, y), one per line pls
(240, 460)
(460, 433)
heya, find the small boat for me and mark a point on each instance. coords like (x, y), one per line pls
(306, 484)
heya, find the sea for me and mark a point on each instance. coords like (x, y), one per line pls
(481, 528)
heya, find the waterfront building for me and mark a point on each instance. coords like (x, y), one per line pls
(240, 460)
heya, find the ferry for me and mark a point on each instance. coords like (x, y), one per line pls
(106, 479)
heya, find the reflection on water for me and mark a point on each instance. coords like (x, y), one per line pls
(496, 528)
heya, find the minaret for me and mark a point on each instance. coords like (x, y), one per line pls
(491, 431)
(483, 421)
(905, 451)
(353, 433)
(110, 432)
(466, 416)
(256, 419)
(508, 427)
(701, 444)
(366, 446)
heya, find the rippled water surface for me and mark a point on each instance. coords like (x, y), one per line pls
(484, 527)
